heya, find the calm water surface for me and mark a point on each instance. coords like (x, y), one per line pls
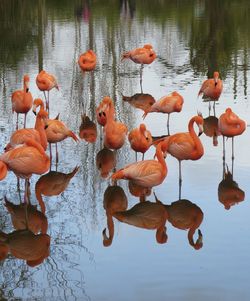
(192, 39)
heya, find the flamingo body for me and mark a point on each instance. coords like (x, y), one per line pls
(212, 87)
(144, 55)
(140, 139)
(46, 81)
(87, 61)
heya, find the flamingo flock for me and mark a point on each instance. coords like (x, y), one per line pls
(26, 154)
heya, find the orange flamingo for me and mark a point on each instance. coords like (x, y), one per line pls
(105, 161)
(139, 191)
(186, 146)
(52, 183)
(230, 125)
(101, 111)
(46, 82)
(87, 60)
(87, 130)
(25, 216)
(114, 132)
(167, 104)
(114, 200)
(56, 131)
(22, 100)
(147, 215)
(24, 244)
(146, 173)
(212, 88)
(144, 55)
(24, 161)
(184, 215)
(140, 139)
(38, 133)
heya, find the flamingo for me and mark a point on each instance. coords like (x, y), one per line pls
(57, 131)
(212, 88)
(114, 132)
(101, 111)
(145, 55)
(24, 244)
(147, 173)
(230, 125)
(87, 60)
(186, 146)
(27, 216)
(105, 161)
(147, 215)
(114, 200)
(139, 191)
(210, 126)
(46, 82)
(167, 104)
(87, 130)
(38, 133)
(184, 215)
(140, 139)
(22, 100)
(52, 183)
(25, 160)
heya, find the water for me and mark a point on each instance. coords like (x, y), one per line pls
(192, 39)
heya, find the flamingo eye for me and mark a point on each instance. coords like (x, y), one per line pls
(104, 114)
(146, 138)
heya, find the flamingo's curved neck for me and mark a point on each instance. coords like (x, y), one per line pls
(198, 151)
(160, 158)
(40, 127)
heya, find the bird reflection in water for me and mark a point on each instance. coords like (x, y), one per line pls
(211, 128)
(51, 184)
(26, 216)
(24, 244)
(139, 191)
(186, 215)
(87, 129)
(229, 192)
(140, 101)
(147, 215)
(114, 200)
(105, 161)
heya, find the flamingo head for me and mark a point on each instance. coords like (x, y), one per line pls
(26, 82)
(148, 46)
(216, 77)
(3, 170)
(107, 241)
(199, 122)
(37, 102)
(161, 235)
(199, 242)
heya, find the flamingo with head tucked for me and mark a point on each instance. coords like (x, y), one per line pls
(87, 60)
(230, 125)
(22, 100)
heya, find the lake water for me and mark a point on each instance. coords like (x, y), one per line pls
(192, 39)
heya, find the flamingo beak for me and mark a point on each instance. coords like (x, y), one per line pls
(200, 129)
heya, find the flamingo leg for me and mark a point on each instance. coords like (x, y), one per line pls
(136, 156)
(224, 155)
(25, 115)
(180, 179)
(214, 108)
(168, 124)
(141, 69)
(232, 156)
(17, 121)
(50, 155)
(19, 190)
(48, 104)
(56, 154)
(143, 156)
(26, 192)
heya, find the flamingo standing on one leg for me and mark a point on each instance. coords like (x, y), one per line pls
(46, 82)
(212, 88)
(144, 55)
(230, 125)
(22, 100)
(167, 104)
(140, 139)
(24, 161)
(186, 146)
(147, 173)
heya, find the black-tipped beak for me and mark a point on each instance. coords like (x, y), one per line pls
(46, 126)
(200, 133)
(34, 112)
(27, 90)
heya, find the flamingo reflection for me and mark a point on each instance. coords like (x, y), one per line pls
(105, 161)
(139, 191)
(51, 184)
(87, 129)
(141, 101)
(147, 215)
(26, 216)
(24, 244)
(114, 200)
